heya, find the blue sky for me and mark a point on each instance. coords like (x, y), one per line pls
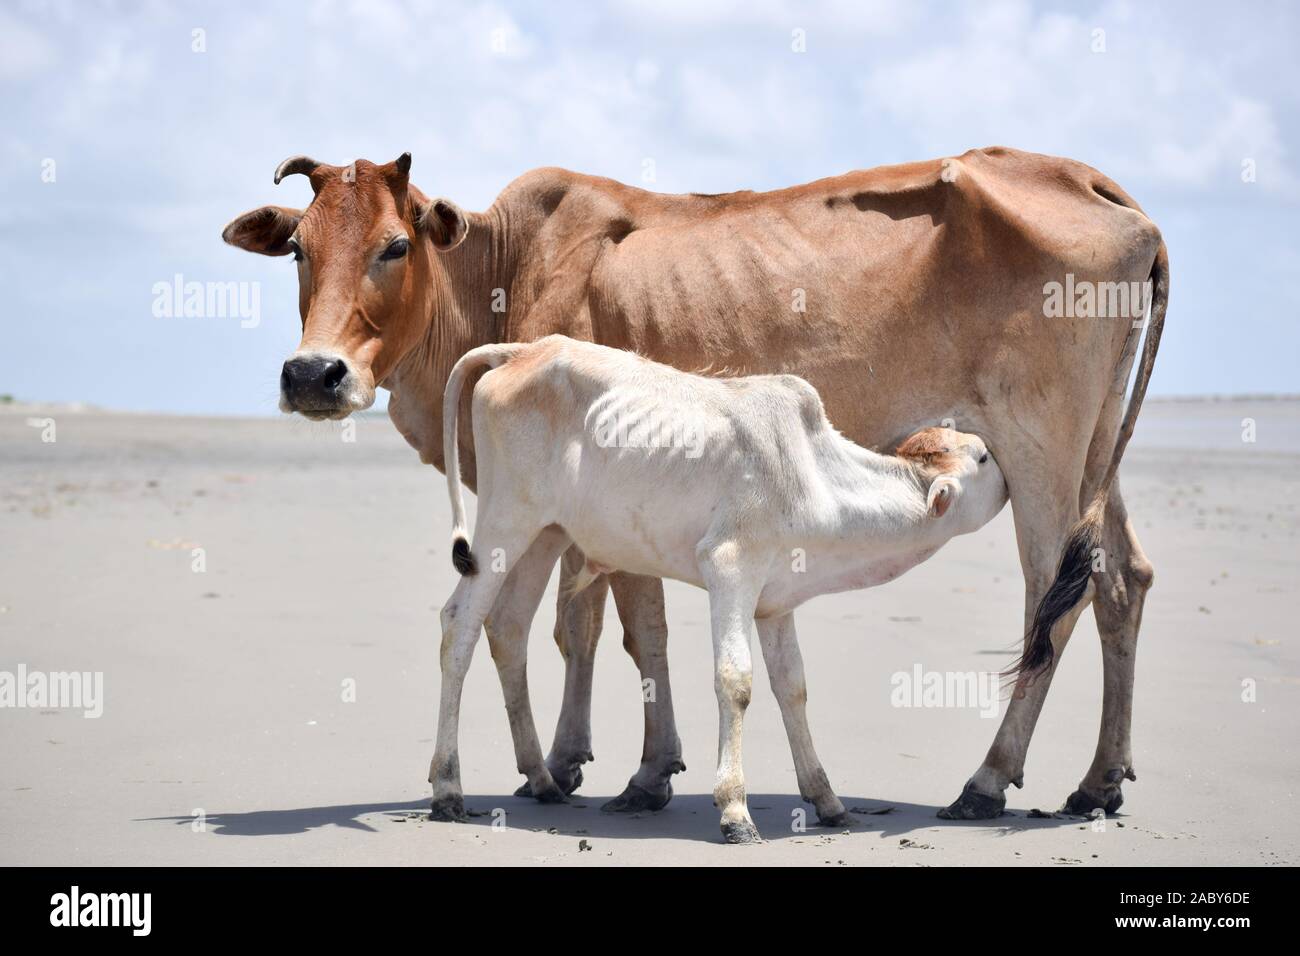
(155, 146)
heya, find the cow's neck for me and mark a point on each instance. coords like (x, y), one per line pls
(458, 317)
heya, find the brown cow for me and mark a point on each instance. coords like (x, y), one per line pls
(905, 294)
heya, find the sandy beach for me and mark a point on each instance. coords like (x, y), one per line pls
(236, 581)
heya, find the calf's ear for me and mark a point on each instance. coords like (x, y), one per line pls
(265, 231)
(445, 223)
(944, 490)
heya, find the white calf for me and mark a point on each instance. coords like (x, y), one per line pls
(737, 485)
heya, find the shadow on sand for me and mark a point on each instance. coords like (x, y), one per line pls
(690, 816)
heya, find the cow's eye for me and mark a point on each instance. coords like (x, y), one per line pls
(297, 250)
(984, 457)
(396, 249)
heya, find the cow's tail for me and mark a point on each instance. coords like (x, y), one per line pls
(1075, 569)
(492, 356)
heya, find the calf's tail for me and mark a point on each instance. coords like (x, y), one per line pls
(492, 356)
(1075, 569)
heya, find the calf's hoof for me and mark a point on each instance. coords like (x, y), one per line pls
(635, 799)
(449, 809)
(973, 805)
(740, 831)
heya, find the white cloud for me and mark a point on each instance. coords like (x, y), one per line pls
(1144, 109)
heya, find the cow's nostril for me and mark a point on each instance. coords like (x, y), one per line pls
(335, 372)
(285, 381)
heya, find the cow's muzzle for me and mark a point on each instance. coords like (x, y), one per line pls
(316, 386)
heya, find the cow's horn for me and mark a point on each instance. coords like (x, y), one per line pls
(404, 163)
(295, 164)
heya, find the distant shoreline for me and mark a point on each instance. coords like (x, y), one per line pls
(16, 407)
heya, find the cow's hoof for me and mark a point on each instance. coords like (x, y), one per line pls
(566, 786)
(635, 799)
(1081, 802)
(740, 831)
(449, 809)
(973, 805)
(568, 782)
(551, 794)
(839, 820)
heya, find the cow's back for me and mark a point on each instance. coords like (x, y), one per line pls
(901, 293)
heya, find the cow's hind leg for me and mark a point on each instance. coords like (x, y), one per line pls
(578, 621)
(462, 622)
(507, 629)
(1121, 592)
(785, 672)
(640, 603)
(1045, 507)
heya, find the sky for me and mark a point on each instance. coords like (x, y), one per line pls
(131, 132)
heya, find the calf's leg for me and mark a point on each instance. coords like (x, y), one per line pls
(732, 597)
(784, 663)
(507, 627)
(462, 622)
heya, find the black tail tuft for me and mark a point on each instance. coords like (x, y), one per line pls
(462, 559)
(1066, 591)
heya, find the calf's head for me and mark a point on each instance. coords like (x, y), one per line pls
(965, 485)
(365, 250)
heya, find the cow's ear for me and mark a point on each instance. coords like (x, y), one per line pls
(943, 492)
(265, 231)
(445, 223)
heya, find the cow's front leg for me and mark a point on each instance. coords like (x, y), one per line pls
(640, 603)
(507, 629)
(785, 671)
(1043, 515)
(732, 597)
